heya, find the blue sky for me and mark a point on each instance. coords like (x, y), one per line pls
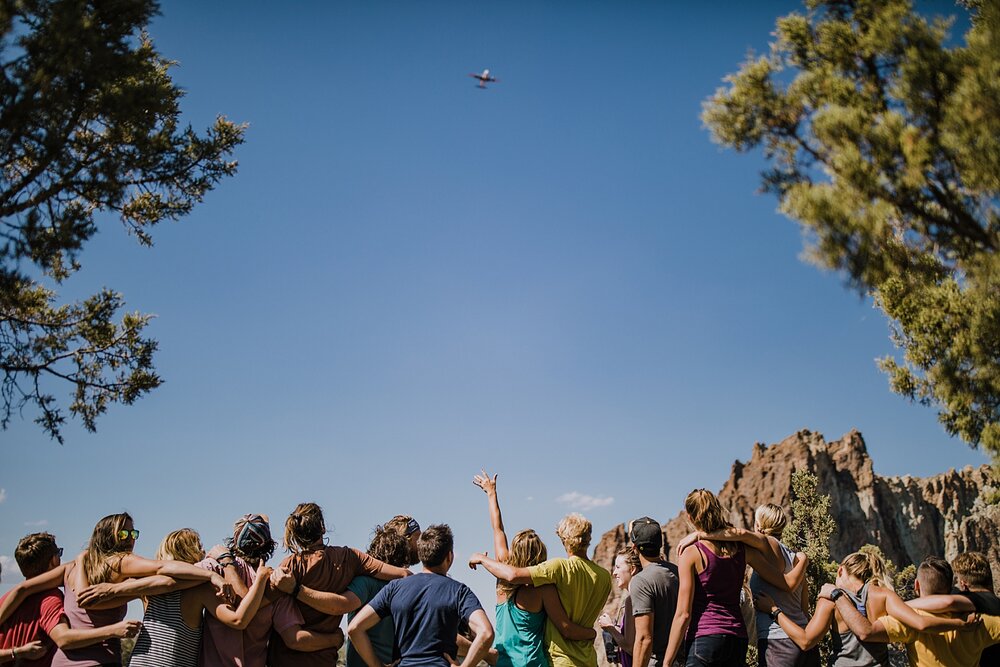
(559, 278)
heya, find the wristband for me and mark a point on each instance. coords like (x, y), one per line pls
(295, 591)
(836, 594)
(775, 613)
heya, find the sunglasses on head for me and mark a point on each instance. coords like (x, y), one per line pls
(59, 552)
(412, 527)
(125, 534)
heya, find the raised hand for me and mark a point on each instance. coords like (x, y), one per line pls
(486, 483)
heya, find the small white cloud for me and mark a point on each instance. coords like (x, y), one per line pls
(11, 573)
(530, 498)
(3, 495)
(37, 524)
(583, 502)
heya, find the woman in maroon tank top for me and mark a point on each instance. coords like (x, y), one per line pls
(708, 618)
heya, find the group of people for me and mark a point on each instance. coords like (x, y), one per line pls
(732, 586)
(228, 608)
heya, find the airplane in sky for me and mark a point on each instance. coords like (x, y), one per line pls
(484, 78)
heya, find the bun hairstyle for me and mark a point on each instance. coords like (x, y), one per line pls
(304, 527)
(103, 544)
(867, 566)
(770, 519)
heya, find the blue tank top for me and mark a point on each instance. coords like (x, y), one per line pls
(520, 636)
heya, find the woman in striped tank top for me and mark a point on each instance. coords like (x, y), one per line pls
(171, 626)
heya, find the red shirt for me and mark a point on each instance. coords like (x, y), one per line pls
(33, 620)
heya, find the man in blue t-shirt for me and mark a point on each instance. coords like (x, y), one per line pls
(427, 610)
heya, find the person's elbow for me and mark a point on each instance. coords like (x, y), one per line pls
(865, 634)
(487, 635)
(354, 628)
(806, 643)
(242, 622)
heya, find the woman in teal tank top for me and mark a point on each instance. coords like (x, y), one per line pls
(519, 635)
(522, 610)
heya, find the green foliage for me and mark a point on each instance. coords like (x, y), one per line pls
(884, 145)
(810, 528)
(89, 125)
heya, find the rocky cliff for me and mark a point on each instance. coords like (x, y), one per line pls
(907, 517)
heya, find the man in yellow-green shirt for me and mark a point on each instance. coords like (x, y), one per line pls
(583, 588)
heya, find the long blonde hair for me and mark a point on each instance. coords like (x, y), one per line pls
(181, 545)
(526, 549)
(706, 513)
(102, 558)
(868, 567)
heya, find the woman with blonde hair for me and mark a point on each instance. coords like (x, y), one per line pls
(522, 609)
(622, 627)
(316, 576)
(711, 579)
(108, 559)
(172, 624)
(774, 647)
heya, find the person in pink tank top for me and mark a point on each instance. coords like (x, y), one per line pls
(708, 620)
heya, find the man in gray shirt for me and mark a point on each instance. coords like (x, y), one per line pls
(653, 592)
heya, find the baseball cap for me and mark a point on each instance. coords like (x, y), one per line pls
(645, 533)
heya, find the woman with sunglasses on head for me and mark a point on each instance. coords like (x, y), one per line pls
(316, 576)
(108, 558)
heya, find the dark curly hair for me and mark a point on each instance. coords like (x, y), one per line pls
(390, 547)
